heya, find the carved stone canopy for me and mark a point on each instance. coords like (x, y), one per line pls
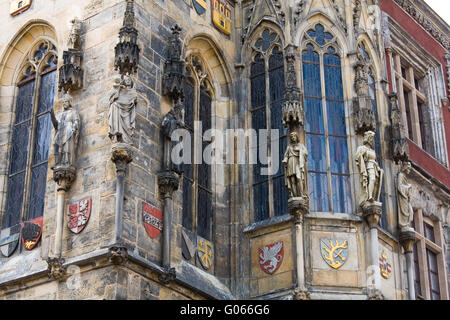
(400, 148)
(174, 77)
(127, 51)
(71, 73)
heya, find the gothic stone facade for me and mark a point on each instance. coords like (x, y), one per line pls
(235, 78)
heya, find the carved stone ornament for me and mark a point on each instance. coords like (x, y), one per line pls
(375, 294)
(173, 78)
(168, 182)
(64, 177)
(71, 73)
(370, 173)
(67, 132)
(169, 275)
(127, 50)
(118, 255)
(362, 104)
(357, 15)
(295, 167)
(121, 155)
(300, 7)
(122, 110)
(56, 269)
(404, 192)
(301, 294)
(400, 148)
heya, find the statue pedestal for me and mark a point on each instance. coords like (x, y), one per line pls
(121, 155)
(407, 239)
(372, 212)
(64, 176)
(298, 207)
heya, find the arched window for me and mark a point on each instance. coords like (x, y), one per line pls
(31, 133)
(197, 185)
(326, 132)
(270, 195)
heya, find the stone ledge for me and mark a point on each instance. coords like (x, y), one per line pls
(275, 221)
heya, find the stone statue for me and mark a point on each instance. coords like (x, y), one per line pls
(370, 174)
(405, 210)
(67, 131)
(122, 111)
(295, 166)
(171, 122)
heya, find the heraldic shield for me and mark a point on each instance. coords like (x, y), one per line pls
(205, 252)
(31, 233)
(271, 257)
(9, 239)
(334, 252)
(200, 6)
(152, 220)
(78, 215)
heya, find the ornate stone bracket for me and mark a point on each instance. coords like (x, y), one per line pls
(400, 148)
(71, 73)
(64, 177)
(56, 269)
(127, 50)
(174, 77)
(301, 294)
(168, 275)
(118, 255)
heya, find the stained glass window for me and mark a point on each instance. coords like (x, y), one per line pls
(326, 132)
(197, 186)
(266, 99)
(31, 135)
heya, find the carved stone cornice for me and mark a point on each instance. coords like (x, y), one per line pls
(174, 77)
(56, 269)
(420, 18)
(127, 51)
(168, 275)
(168, 182)
(64, 177)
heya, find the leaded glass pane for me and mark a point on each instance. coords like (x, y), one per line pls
(261, 201)
(46, 92)
(42, 139)
(24, 102)
(314, 116)
(266, 40)
(319, 35)
(187, 204)
(318, 192)
(37, 191)
(339, 155)
(19, 152)
(281, 196)
(317, 157)
(204, 214)
(189, 97)
(336, 118)
(341, 193)
(14, 200)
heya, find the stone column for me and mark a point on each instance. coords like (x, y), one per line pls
(168, 182)
(298, 203)
(372, 215)
(407, 240)
(121, 155)
(64, 177)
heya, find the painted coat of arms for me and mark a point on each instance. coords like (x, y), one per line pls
(205, 252)
(9, 239)
(78, 215)
(221, 15)
(385, 266)
(152, 220)
(271, 257)
(31, 233)
(199, 6)
(334, 252)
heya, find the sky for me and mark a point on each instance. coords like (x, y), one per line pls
(442, 7)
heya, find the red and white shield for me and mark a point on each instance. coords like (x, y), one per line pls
(78, 215)
(152, 220)
(271, 257)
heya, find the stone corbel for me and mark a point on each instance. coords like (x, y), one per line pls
(56, 269)
(71, 73)
(127, 50)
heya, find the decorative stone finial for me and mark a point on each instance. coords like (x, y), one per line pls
(174, 77)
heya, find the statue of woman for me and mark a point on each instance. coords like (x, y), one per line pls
(370, 173)
(122, 111)
(405, 210)
(295, 162)
(67, 131)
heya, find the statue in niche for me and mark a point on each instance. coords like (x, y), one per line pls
(405, 210)
(295, 166)
(122, 111)
(370, 173)
(67, 131)
(171, 122)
